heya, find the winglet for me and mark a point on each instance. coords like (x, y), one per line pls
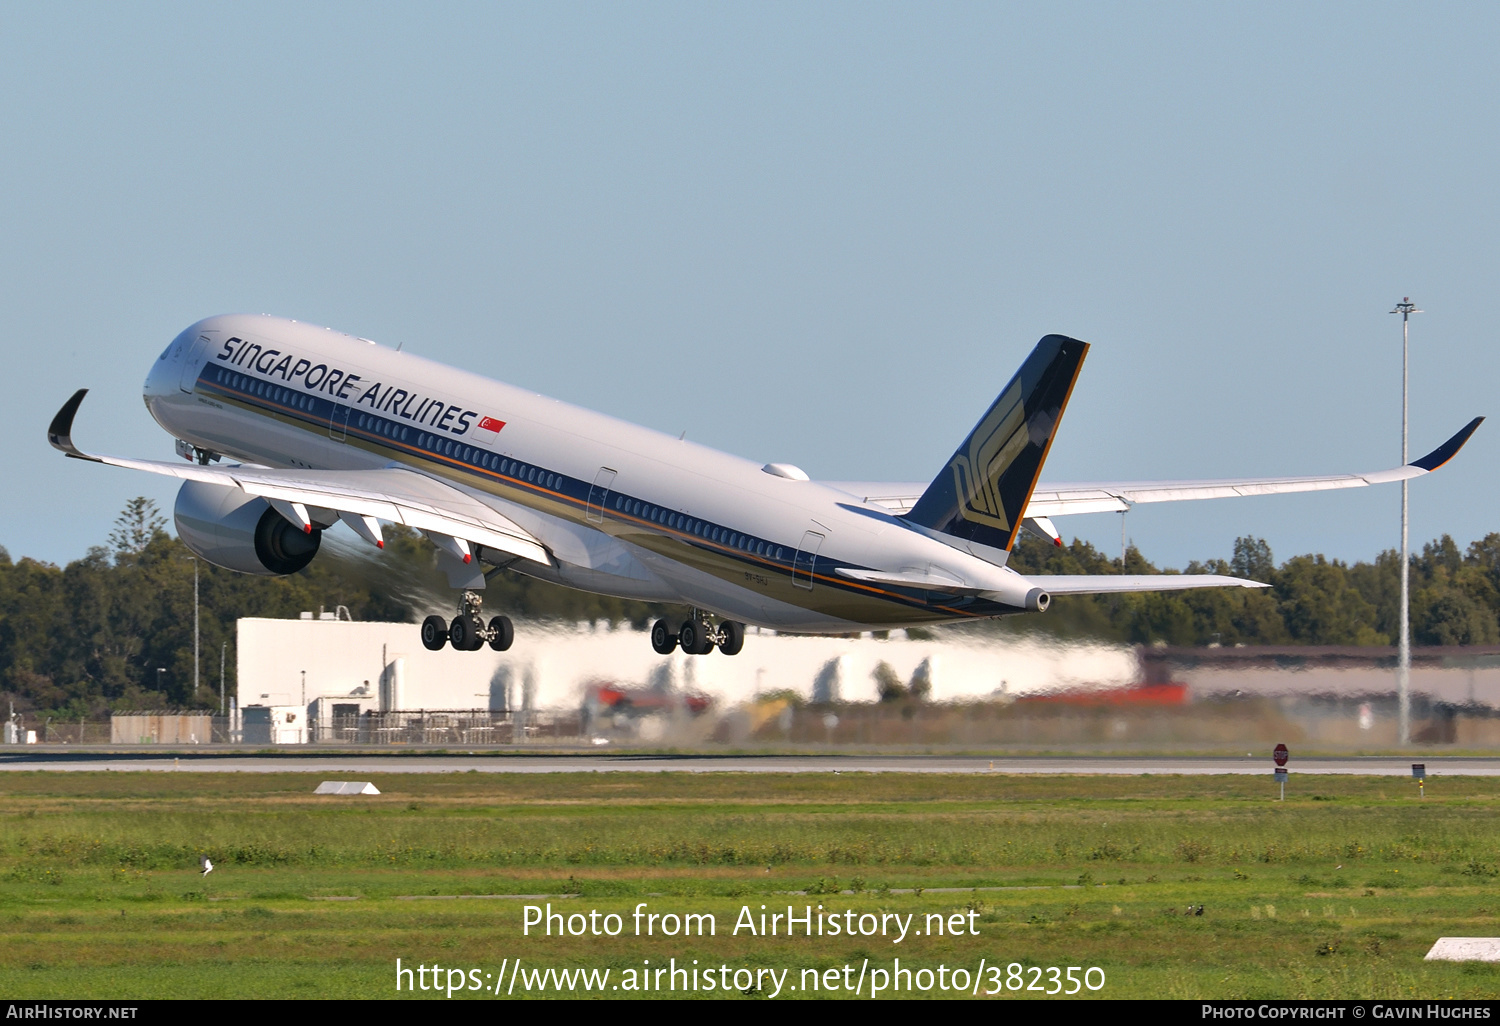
(1445, 452)
(60, 431)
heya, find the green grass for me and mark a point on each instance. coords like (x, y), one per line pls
(1338, 892)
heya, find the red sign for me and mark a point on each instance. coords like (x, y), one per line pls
(1280, 755)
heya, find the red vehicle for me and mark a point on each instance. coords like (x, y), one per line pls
(1140, 694)
(618, 700)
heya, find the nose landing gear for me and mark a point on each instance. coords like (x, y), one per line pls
(468, 632)
(698, 636)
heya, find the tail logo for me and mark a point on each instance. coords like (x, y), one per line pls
(993, 446)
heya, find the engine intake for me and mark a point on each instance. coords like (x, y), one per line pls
(237, 531)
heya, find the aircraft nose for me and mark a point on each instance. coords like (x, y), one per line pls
(157, 379)
(162, 379)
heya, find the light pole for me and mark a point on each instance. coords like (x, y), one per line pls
(195, 630)
(1403, 658)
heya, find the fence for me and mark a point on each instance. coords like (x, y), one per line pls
(1338, 722)
(136, 728)
(445, 727)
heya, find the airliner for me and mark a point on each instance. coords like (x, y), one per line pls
(286, 430)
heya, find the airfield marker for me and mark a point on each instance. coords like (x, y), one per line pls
(1280, 754)
(1419, 773)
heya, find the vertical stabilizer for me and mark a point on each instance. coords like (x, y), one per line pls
(981, 495)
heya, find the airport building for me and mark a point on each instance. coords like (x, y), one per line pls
(327, 680)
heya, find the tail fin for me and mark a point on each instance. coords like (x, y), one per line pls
(981, 495)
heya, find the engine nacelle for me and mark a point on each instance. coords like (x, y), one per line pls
(241, 532)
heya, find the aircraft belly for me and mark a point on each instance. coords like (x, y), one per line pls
(598, 582)
(255, 436)
(761, 595)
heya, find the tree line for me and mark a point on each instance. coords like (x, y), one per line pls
(1312, 600)
(114, 630)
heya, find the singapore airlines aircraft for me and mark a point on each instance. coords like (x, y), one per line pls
(327, 428)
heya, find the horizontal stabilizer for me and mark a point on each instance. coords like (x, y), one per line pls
(1101, 584)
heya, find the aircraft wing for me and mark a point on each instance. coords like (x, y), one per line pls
(896, 496)
(1050, 500)
(393, 494)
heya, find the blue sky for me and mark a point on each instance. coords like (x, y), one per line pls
(822, 234)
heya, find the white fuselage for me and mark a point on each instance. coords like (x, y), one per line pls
(622, 510)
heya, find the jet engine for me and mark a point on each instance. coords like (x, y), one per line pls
(241, 532)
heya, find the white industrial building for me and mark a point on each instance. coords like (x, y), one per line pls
(329, 671)
(329, 680)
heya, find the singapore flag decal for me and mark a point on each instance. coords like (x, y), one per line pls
(487, 429)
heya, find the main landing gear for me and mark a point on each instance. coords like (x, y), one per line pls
(698, 636)
(468, 632)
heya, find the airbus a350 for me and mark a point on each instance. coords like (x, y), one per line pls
(286, 429)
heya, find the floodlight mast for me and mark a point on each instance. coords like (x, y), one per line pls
(1403, 659)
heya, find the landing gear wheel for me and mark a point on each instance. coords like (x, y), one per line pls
(434, 633)
(501, 633)
(464, 633)
(694, 638)
(733, 637)
(663, 639)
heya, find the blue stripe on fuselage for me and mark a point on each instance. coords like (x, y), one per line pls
(318, 413)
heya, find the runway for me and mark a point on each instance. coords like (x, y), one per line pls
(365, 763)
